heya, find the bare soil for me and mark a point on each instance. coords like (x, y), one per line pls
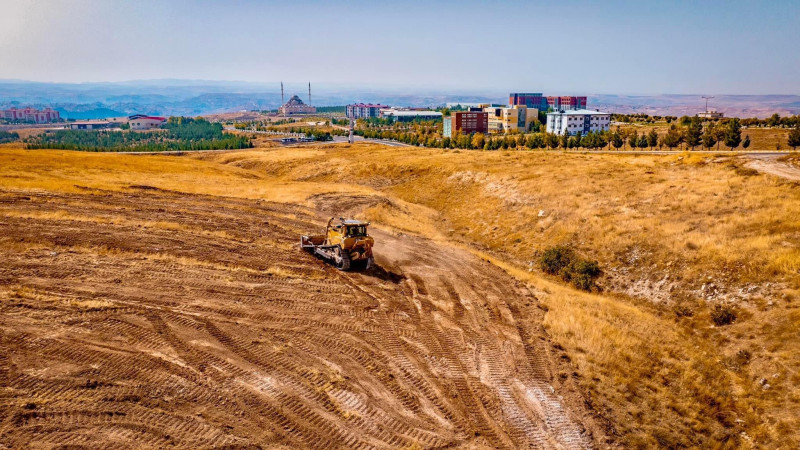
(775, 165)
(154, 318)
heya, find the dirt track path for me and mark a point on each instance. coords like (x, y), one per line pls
(464, 312)
(770, 164)
(153, 318)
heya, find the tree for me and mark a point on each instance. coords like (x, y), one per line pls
(643, 141)
(794, 137)
(673, 137)
(616, 140)
(652, 139)
(564, 140)
(746, 142)
(633, 140)
(534, 141)
(694, 132)
(719, 133)
(551, 140)
(774, 120)
(733, 134)
(709, 138)
(478, 141)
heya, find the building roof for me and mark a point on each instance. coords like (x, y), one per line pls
(354, 222)
(579, 112)
(295, 101)
(369, 105)
(394, 112)
(143, 116)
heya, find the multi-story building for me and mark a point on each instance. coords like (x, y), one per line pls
(531, 100)
(517, 117)
(565, 103)
(31, 115)
(543, 103)
(143, 122)
(408, 115)
(466, 122)
(582, 121)
(364, 110)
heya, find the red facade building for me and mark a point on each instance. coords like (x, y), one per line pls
(543, 103)
(466, 122)
(30, 115)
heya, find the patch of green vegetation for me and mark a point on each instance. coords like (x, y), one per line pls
(562, 260)
(6, 136)
(178, 134)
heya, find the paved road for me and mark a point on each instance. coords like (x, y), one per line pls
(337, 139)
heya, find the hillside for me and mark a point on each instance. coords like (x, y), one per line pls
(188, 272)
(681, 239)
(177, 316)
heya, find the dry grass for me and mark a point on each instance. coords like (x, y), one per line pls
(683, 232)
(673, 233)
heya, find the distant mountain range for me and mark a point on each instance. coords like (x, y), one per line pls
(193, 97)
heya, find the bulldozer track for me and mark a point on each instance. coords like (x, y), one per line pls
(152, 318)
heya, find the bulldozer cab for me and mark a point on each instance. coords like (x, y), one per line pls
(348, 228)
(356, 230)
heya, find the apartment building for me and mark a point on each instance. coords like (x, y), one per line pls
(582, 121)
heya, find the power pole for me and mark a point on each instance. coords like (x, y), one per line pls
(707, 97)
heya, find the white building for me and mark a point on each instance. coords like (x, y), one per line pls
(364, 110)
(408, 115)
(584, 121)
(710, 114)
(143, 122)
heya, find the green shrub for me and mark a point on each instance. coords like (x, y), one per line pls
(561, 260)
(582, 273)
(555, 259)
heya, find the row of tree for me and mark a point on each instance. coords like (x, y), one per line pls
(180, 133)
(695, 134)
(774, 121)
(692, 135)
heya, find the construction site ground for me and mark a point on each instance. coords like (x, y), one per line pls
(145, 317)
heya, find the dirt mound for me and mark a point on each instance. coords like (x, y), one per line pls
(151, 318)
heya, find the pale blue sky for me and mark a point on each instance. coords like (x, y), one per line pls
(625, 47)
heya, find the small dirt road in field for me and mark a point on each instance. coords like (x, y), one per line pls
(155, 318)
(772, 165)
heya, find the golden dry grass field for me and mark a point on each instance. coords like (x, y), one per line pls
(675, 236)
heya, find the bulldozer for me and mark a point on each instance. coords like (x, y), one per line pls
(345, 243)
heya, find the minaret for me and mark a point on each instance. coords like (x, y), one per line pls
(309, 93)
(282, 102)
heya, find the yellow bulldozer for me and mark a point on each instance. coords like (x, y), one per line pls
(345, 243)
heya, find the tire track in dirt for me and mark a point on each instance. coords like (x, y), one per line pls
(213, 331)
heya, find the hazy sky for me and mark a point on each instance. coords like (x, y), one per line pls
(625, 47)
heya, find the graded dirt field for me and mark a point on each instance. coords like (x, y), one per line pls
(162, 300)
(139, 316)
